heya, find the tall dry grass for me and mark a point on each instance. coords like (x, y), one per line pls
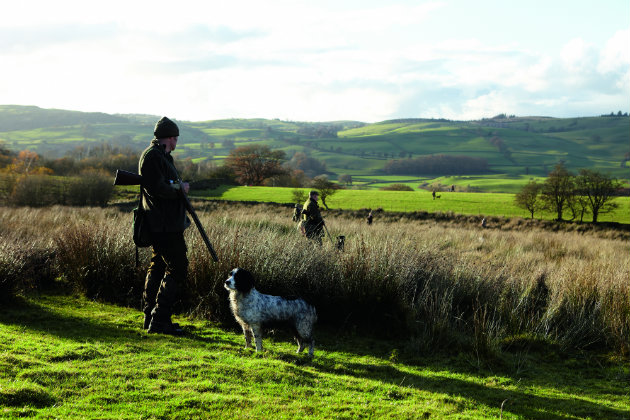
(442, 286)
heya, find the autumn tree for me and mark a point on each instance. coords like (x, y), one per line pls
(27, 163)
(252, 164)
(309, 165)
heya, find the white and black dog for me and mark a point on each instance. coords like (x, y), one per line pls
(253, 309)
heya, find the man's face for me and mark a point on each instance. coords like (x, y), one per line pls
(171, 143)
(315, 197)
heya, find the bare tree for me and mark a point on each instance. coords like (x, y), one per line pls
(558, 190)
(325, 187)
(346, 179)
(529, 197)
(598, 190)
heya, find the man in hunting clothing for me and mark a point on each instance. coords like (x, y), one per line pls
(297, 213)
(166, 217)
(312, 220)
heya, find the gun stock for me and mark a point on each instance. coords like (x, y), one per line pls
(127, 178)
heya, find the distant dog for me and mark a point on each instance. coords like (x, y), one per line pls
(253, 310)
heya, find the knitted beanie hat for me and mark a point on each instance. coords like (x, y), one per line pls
(165, 128)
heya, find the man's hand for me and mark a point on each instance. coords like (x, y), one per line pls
(184, 186)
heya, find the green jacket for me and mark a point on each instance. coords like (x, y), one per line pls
(312, 218)
(165, 211)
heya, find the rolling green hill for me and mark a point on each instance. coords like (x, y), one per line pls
(516, 147)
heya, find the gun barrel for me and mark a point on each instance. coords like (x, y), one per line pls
(202, 232)
(127, 178)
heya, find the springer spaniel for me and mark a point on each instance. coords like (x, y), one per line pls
(253, 309)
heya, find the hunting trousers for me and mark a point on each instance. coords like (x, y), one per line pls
(167, 273)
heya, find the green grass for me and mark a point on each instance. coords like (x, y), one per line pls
(68, 357)
(483, 204)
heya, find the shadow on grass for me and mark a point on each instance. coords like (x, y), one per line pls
(47, 316)
(36, 316)
(521, 403)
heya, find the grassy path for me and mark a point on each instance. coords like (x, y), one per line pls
(67, 357)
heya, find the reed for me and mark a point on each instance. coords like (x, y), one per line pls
(441, 286)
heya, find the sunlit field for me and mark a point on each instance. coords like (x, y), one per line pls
(482, 204)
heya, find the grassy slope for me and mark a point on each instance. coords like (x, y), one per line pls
(534, 144)
(66, 357)
(487, 204)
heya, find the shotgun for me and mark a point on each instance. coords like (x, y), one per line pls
(129, 178)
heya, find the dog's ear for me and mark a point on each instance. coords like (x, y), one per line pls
(244, 280)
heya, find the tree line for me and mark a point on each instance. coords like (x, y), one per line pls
(28, 179)
(438, 165)
(588, 192)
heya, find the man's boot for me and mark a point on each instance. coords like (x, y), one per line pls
(159, 327)
(161, 323)
(148, 317)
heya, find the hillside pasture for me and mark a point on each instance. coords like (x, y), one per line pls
(513, 147)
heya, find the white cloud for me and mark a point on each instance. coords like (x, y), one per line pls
(616, 53)
(578, 56)
(299, 60)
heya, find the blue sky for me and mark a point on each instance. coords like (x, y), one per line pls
(313, 60)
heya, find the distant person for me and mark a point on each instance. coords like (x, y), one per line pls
(297, 213)
(453, 188)
(166, 216)
(369, 218)
(312, 220)
(483, 223)
(433, 194)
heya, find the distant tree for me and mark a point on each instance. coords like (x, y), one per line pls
(309, 165)
(529, 198)
(290, 178)
(228, 144)
(598, 191)
(299, 196)
(325, 187)
(253, 163)
(345, 179)
(437, 164)
(27, 163)
(396, 187)
(558, 190)
(579, 207)
(6, 155)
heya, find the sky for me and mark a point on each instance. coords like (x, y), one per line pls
(318, 60)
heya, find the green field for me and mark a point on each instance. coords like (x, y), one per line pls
(482, 204)
(66, 357)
